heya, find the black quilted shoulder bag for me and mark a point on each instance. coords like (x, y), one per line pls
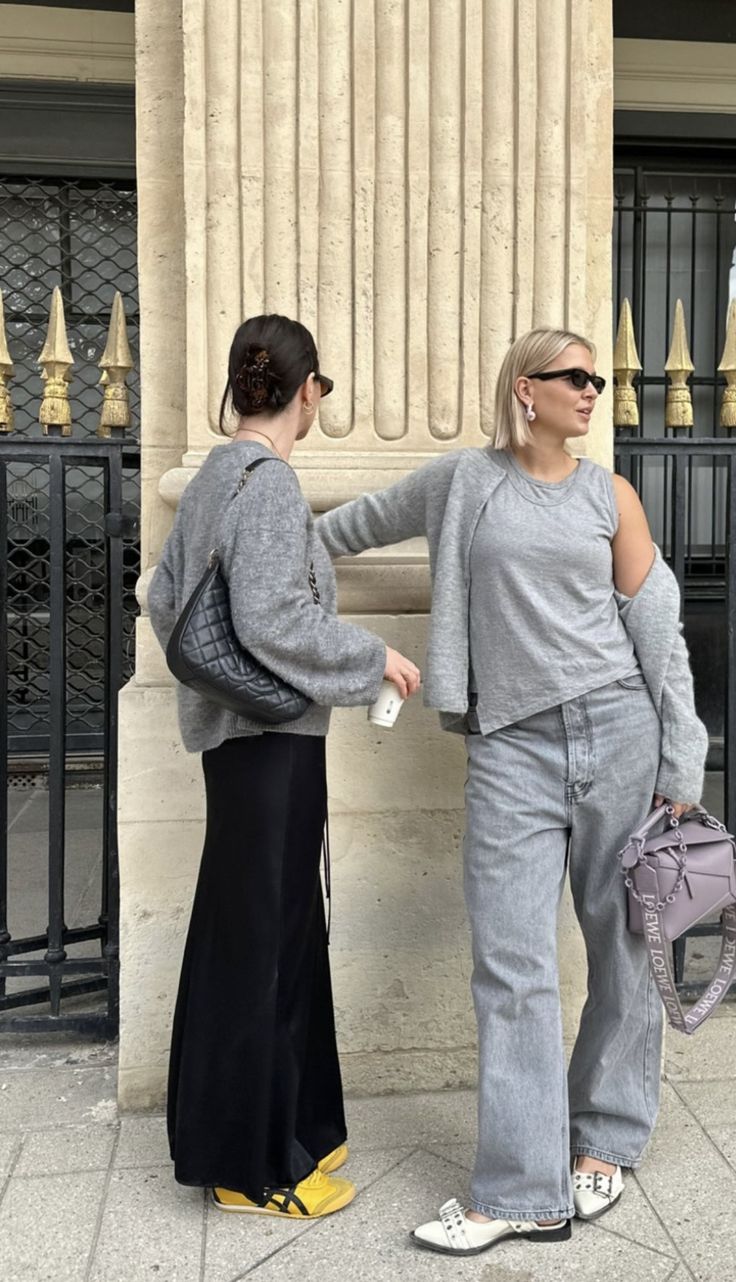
(205, 655)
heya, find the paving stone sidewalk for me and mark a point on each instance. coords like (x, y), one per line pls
(88, 1196)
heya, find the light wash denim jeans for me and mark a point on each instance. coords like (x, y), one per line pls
(562, 787)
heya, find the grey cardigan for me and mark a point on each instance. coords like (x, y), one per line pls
(444, 500)
(266, 540)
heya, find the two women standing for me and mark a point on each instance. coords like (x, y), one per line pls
(535, 556)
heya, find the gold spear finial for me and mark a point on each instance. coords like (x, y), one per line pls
(728, 367)
(55, 415)
(6, 373)
(678, 411)
(116, 363)
(626, 364)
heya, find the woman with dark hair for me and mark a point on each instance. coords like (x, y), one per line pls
(255, 1106)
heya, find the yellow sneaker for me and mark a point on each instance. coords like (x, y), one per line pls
(334, 1160)
(311, 1198)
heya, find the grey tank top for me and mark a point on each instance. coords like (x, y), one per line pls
(544, 624)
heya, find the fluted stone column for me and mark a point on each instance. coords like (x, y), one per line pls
(419, 183)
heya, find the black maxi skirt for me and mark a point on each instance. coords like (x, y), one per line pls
(255, 1096)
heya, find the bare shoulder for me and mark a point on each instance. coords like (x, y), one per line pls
(632, 543)
(627, 499)
(625, 491)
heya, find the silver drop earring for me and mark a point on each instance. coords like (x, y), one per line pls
(529, 411)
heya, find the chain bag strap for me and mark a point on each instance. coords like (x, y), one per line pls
(675, 879)
(245, 476)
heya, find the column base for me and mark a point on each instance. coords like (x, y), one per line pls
(400, 950)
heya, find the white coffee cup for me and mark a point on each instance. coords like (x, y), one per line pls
(387, 706)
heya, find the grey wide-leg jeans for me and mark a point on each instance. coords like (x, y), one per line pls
(561, 788)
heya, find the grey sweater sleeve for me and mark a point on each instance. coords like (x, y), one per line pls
(264, 559)
(684, 737)
(387, 516)
(651, 618)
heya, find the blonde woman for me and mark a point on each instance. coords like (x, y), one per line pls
(554, 646)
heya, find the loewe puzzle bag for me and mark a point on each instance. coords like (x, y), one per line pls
(675, 879)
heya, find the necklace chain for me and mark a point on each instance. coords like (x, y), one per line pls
(257, 432)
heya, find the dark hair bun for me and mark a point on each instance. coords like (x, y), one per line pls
(255, 378)
(270, 357)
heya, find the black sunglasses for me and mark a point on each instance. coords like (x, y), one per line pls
(325, 383)
(578, 377)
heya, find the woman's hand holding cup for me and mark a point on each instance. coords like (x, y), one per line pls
(404, 674)
(400, 679)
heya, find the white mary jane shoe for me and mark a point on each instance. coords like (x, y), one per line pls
(454, 1234)
(595, 1193)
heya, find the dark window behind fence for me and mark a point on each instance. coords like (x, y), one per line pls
(29, 599)
(81, 236)
(675, 237)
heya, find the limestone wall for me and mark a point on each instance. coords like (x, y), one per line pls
(419, 185)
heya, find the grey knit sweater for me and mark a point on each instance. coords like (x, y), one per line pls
(267, 541)
(444, 501)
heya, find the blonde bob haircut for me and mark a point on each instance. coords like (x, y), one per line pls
(533, 351)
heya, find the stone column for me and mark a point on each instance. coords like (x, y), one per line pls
(418, 183)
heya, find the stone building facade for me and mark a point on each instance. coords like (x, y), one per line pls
(419, 183)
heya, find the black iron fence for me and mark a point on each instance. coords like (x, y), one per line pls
(62, 671)
(79, 234)
(62, 609)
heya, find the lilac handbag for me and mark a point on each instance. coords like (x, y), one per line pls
(674, 880)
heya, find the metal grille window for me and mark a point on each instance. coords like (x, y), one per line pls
(80, 235)
(28, 608)
(675, 237)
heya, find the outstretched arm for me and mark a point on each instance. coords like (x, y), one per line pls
(388, 516)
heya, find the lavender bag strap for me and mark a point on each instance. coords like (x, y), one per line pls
(660, 948)
(660, 955)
